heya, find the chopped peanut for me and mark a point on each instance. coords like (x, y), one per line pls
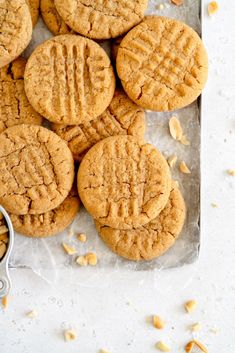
(70, 250)
(32, 314)
(82, 237)
(214, 205)
(184, 140)
(195, 346)
(213, 7)
(162, 346)
(91, 258)
(82, 261)
(70, 335)
(231, 172)
(195, 327)
(5, 302)
(190, 306)
(172, 160)
(175, 128)
(158, 322)
(3, 230)
(177, 2)
(184, 168)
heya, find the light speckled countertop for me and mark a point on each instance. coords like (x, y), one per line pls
(112, 314)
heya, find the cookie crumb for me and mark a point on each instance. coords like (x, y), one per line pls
(163, 347)
(177, 2)
(91, 258)
(184, 168)
(82, 261)
(172, 160)
(195, 327)
(213, 7)
(175, 128)
(32, 314)
(158, 323)
(5, 302)
(229, 172)
(190, 306)
(195, 346)
(70, 335)
(70, 250)
(184, 140)
(214, 205)
(82, 237)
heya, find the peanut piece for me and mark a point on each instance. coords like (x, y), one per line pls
(158, 322)
(3, 229)
(195, 346)
(5, 302)
(91, 258)
(190, 306)
(195, 327)
(82, 261)
(175, 128)
(32, 314)
(172, 160)
(162, 346)
(213, 7)
(214, 205)
(70, 335)
(70, 250)
(231, 172)
(184, 140)
(82, 237)
(184, 168)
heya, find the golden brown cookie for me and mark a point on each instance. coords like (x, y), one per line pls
(36, 169)
(34, 10)
(151, 240)
(124, 183)
(15, 108)
(15, 29)
(52, 19)
(3, 236)
(49, 223)
(69, 79)
(122, 117)
(101, 19)
(162, 64)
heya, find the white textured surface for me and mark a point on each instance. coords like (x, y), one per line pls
(112, 315)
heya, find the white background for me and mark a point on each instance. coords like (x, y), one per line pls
(112, 313)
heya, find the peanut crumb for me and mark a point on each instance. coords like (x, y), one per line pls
(184, 140)
(160, 7)
(177, 2)
(213, 7)
(5, 302)
(32, 314)
(70, 250)
(82, 237)
(70, 335)
(82, 261)
(190, 306)
(231, 172)
(214, 205)
(195, 346)
(91, 258)
(162, 346)
(184, 168)
(195, 327)
(172, 160)
(158, 322)
(175, 128)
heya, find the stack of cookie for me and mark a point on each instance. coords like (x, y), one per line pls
(123, 182)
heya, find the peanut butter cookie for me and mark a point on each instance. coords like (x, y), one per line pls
(124, 183)
(162, 64)
(69, 79)
(15, 108)
(15, 29)
(49, 223)
(122, 117)
(52, 19)
(101, 19)
(34, 10)
(36, 169)
(151, 240)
